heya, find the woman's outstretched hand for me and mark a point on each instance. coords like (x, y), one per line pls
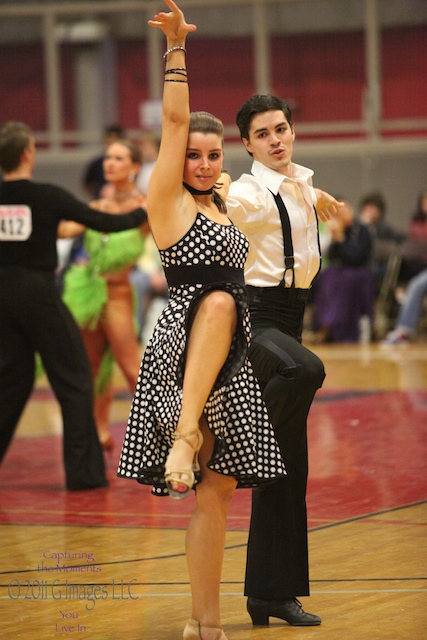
(172, 24)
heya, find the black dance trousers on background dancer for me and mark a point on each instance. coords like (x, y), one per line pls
(289, 375)
(33, 319)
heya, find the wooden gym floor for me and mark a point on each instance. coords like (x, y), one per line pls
(109, 564)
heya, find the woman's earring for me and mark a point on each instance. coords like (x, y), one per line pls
(131, 177)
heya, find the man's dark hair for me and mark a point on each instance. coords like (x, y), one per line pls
(259, 104)
(14, 139)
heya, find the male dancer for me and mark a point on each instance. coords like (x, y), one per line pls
(33, 317)
(274, 207)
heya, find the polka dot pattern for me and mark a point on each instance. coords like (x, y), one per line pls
(245, 446)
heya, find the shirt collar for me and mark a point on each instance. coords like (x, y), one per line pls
(273, 179)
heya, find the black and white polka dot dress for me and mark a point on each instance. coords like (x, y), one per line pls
(210, 256)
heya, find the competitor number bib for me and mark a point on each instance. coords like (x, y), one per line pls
(15, 222)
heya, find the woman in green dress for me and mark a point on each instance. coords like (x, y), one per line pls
(97, 288)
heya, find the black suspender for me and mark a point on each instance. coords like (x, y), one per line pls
(318, 241)
(287, 238)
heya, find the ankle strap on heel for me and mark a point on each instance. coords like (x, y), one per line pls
(195, 625)
(186, 437)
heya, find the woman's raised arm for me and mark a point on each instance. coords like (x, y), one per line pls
(165, 192)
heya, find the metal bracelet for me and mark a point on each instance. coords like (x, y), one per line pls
(168, 51)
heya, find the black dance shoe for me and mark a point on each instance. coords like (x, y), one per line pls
(289, 610)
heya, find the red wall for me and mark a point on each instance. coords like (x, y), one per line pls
(324, 75)
(22, 85)
(132, 81)
(405, 73)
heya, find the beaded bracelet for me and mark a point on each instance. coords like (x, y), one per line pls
(168, 51)
(180, 71)
(170, 80)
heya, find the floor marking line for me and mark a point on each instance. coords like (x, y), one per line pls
(330, 524)
(367, 516)
(239, 594)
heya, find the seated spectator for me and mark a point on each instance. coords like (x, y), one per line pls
(414, 250)
(409, 312)
(343, 292)
(372, 213)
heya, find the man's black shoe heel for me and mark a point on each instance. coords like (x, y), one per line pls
(257, 609)
(259, 619)
(289, 610)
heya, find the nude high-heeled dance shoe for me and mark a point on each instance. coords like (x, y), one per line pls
(184, 478)
(193, 631)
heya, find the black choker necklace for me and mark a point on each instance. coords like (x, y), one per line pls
(197, 192)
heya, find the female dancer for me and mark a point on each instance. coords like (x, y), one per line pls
(98, 290)
(197, 415)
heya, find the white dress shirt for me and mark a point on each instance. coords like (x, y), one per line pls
(252, 208)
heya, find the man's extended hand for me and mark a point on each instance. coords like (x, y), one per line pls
(326, 205)
(223, 184)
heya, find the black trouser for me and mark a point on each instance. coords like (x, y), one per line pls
(289, 375)
(33, 319)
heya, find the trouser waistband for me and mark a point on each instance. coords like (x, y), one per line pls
(282, 293)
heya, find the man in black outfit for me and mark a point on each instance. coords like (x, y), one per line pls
(274, 207)
(33, 318)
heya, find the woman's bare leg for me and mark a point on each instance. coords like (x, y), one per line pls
(120, 332)
(117, 325)
(102, 409)
(205, 541)
(96, 344)
(208, 347)
(207, 350)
